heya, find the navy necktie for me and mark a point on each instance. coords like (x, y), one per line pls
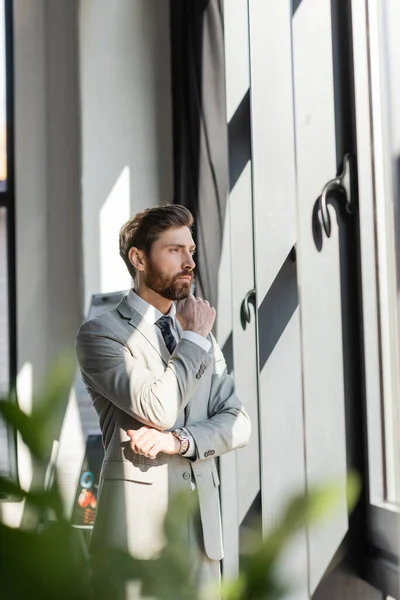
(165, 326)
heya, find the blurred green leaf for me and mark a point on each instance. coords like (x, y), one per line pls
(56, 389)
(54, 562)
(36, 429)
(234, 589)
(48, 499)
(25, 425)
(42, 566)
(10, 490)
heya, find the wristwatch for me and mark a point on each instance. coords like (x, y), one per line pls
(181, 435)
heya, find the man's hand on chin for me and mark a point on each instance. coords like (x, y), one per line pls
(149, 442)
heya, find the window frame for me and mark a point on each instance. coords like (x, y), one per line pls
(7, 201)
(380, 259)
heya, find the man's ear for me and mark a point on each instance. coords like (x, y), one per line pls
(136, 258)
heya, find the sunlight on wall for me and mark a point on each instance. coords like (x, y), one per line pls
(224, 308)
(71, 451)
(115, 211)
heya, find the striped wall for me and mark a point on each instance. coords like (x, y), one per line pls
(297, 410)
(263, 233)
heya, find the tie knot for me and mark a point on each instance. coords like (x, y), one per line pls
(164, 321)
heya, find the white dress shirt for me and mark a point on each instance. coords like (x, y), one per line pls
(151, 314)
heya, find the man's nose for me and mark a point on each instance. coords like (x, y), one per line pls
(189, 262)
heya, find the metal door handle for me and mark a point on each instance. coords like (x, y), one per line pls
(341, 183)
(245, 314)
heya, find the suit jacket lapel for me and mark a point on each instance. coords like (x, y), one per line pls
(148, 332)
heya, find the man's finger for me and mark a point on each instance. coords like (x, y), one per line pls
(148, 450)
(134, 432)
(153, 434)
(136, 441)
(148, 443)
(138, 434)
(146, 446)
(154, 452)
(135, 448)
(147, 440)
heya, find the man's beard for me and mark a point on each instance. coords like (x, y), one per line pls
(168, 287)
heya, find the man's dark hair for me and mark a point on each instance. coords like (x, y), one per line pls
(142, 230)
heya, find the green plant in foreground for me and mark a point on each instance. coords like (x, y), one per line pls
(51, 561)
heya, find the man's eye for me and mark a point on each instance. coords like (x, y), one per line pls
(174, 249)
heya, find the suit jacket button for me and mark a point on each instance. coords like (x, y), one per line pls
(186, 475)
(198, 376)
(212, 452)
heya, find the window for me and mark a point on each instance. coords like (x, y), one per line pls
(383, 130)
(4, 332)
(3, 105)
(377, 92)
(7, 237)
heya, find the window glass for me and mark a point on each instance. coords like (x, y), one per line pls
(384, 86)
(3, 118)
(4, 338)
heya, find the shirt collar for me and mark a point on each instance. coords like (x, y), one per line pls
(149, 312)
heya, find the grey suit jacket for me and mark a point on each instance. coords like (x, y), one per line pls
(133, 380)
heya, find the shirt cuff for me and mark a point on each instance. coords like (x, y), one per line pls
(198, 339)
(191, 451)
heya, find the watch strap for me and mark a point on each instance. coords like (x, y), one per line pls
(184, 440)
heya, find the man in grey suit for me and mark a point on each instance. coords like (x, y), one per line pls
(166, 404)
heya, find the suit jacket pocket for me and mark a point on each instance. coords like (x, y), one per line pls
(127, 471)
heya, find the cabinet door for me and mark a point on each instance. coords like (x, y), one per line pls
(274, 180)
(300, 121)
(323, 264)
(240, 471)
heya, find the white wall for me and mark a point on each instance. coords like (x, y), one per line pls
(48, 236)
(31, 184)
(93, 145)
(126, 126)
(64, 229)
(47, 164)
